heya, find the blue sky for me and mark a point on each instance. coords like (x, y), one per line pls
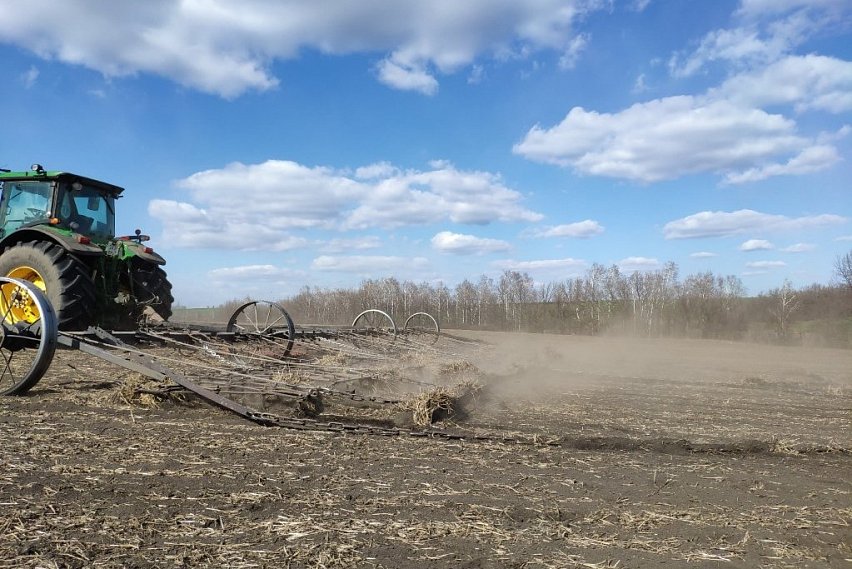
(267, 145)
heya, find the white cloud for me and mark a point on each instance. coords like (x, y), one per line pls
(741, 130)
(638, 264)
(844, 238)
(460, 244)
(367, 264)
(812, 159)
(799, 248)
(572, 52)
(766, 32)
(581, 229)
(668, 138)
(703, 255)
(227, 48)
(377, 170)
(639, 85)
(354, 243)
(809, 82)
(726, 223)
(30, 76)
(766, 265)
(444, 193)
(747, 46)
(477, 75)
(262, 273)
(540, 265)
(260, 206)
(407, 77)
(756, 245)
(185, 225)
(763, 8)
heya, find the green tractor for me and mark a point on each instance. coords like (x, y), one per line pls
(57, 230)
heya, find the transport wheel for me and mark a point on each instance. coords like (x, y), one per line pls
(373, 324)
(28, 334)
(423, 327)
(65, 280)
(266, 319)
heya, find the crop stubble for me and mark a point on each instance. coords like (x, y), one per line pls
(702, 452)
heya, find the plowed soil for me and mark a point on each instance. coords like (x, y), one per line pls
(663, 453)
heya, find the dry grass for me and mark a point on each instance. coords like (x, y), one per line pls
(439, 403)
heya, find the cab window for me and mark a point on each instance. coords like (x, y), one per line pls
(87, 210)
(24, 202)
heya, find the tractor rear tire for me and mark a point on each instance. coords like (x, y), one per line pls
(152, 288)
(65, 280)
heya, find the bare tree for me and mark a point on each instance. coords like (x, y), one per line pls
(465, 302)
(843, 268)
(785, 301)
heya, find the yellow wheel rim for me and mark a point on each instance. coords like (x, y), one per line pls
(16, 303)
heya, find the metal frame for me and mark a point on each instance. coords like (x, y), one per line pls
(127, 349)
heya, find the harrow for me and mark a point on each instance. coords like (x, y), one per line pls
(259, 364)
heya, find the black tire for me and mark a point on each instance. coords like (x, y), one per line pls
(151, 287)
(67, 280)
(27, 347)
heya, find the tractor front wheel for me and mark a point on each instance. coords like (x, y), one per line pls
(65, 280)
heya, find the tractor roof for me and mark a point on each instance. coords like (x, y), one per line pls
(51, 175)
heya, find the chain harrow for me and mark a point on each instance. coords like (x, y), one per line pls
(305, 368)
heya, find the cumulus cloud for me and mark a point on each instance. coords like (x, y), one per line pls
(185, 225)
(443, 193)
(809, 82)
(668, 138)
(703, 255)
(726, 223)
(581, 229)
(460, 244)
(539, 265)
(756, 245)
(367, 264)
(227, 48)
(262, 206)
(766, 264)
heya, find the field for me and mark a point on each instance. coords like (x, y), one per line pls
(629, 453)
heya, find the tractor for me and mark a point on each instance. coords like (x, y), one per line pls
(57, 230)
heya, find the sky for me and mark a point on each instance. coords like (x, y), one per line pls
(267, 145)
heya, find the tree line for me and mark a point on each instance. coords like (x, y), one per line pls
(604, 299)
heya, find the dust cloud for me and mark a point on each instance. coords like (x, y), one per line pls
(538, 366)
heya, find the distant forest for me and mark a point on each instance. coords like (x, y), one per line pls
(604, 300)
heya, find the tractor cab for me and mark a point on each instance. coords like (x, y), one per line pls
(86, 209)
(66, 201)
